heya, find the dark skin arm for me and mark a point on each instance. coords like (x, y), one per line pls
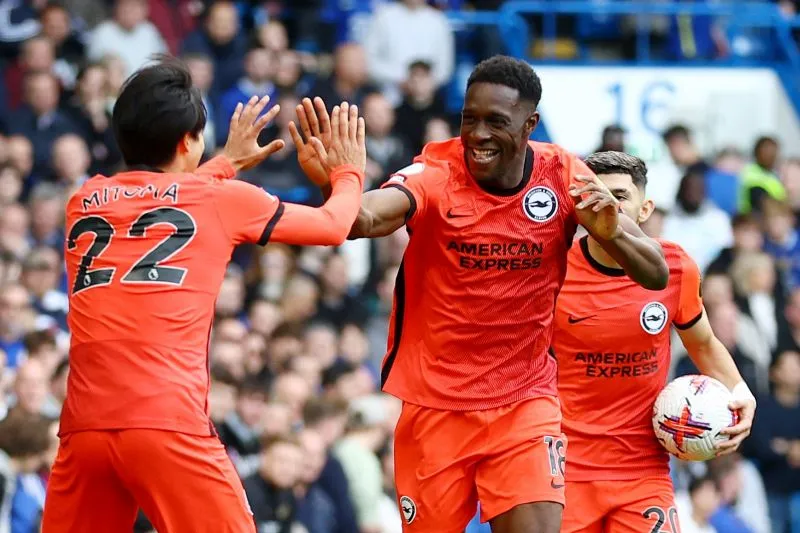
(383, 211)
(638, 255)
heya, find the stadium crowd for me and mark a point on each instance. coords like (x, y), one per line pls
(299, 336)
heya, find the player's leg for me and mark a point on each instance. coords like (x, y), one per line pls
(185, 483)
(84, 492)
(585, 508)
(435, 454)
(645, 506)
(521, 481)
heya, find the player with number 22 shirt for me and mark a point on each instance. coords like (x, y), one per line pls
(491, 217)
(612, 342)
(146, 253)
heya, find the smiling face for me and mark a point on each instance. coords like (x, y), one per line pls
(495, 127)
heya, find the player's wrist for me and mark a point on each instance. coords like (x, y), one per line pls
(742, 392)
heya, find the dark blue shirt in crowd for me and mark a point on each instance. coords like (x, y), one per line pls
(787, 256)
(774, 421)
(723, 190)
(333, 482)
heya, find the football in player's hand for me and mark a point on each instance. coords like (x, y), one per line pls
(689, 415)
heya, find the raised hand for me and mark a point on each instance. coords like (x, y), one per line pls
(242, 148)
(597, 208)
(347, 146)
(314, 122)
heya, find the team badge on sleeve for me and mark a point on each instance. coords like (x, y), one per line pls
(408, 508)
(653, 318)
(540, 204)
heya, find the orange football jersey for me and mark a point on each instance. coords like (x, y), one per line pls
(473, 309)
(612, 341)
(146, 253)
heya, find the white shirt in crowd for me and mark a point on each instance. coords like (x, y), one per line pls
(397, 35)
(687, 523)
(135, 47)
(702, 234)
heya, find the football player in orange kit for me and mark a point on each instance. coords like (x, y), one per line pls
(491, 217)
(146, 253)
(612, 342)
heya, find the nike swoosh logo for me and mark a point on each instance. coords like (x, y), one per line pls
(573, 320)
(450, 214)
(555, 485)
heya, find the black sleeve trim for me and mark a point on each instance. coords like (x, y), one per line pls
(410, 195)
(270, 227)
(691, 323)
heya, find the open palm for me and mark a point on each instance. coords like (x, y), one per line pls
(314, 122)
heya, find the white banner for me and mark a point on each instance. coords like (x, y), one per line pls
(723, 106)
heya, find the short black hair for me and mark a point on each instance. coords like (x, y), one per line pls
(619, 163)
(421, 64)
(156, 108)
(677, 131)
(510, 72)
(761, 142)
(696, 483)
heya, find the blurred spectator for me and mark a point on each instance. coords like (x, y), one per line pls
(782, 241)
(612, 139)
(71, 162)
(421, 103)
(387, 151)
(20, 156)
(70, 48)
(722, 180)
(687, 159)
(47, 214)
(403, 32)
(24, 444)
(348, 82)
(41, 275)
(259, 73)
(758, 296)
(790, 334)
(790, 177)
(240, 430)
(437, 129)
(10, 185)
(775, 441)
(759, 180)
(328, 419)
(696, 507)
(128, 35)
(15, 320)
(747, 239)
(40, 119)
(697, 225)
(744, 499)
(270, 490)
(337, 305)
(365, 435)
(37, 55)
(202, 70)
(316, 510)
(221, 40)
(89, 110)
(31, 390)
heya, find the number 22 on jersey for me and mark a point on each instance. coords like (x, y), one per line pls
(150, 267)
